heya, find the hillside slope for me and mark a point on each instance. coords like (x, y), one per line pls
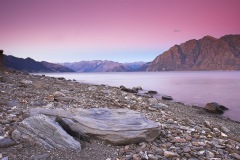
(207, 53)
(30, 65)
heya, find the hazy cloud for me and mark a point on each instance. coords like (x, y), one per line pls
(176, 30)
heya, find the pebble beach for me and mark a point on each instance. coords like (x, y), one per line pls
(186, 132)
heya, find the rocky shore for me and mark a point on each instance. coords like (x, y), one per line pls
(185, 132)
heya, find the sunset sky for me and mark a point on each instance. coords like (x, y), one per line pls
(118, 30)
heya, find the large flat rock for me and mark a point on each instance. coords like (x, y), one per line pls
(42, 130)
(116, 126)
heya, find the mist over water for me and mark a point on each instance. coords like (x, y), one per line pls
(196, 88)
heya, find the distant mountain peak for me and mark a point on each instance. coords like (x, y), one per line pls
(209, 37)
(208, 53)
(104, 66)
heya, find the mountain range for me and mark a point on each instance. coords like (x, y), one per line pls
(30, 65)
(208, 53)
(104, 66)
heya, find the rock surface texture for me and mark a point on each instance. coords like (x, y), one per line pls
(115, 126)
(207, 53)
(44, 131)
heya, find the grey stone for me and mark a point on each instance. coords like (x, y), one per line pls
(6, 142)
(169, 154)
(225, 129)
(235, 155)
(186, 149)
(43, 131)
(209, 154)
(160, 106)
(152, 157)
(4, 121)
(170, 121)
(207, 124)
(25, 82)
(116, 126)
(92, 88)
(152, 101)
(40, 157)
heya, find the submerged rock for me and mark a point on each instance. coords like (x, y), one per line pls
(152, 92)
(44, 131)
(167, 98)
(115, 126)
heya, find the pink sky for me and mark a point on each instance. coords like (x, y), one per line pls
(119, 30)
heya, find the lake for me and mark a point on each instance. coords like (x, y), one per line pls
(194, 88)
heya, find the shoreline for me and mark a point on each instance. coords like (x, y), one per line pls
(158, 95)
(181, 89)
(21, 91)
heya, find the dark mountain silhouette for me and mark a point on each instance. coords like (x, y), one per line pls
(31, 65)
(1, 58)
(207, 53)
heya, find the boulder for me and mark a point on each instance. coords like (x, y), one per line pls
(68, 126)
(115, 126)
(123, 88)
(138, 88)
(45, 132)
(214, 107)
(167, 98)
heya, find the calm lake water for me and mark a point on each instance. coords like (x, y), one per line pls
(196, 88)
